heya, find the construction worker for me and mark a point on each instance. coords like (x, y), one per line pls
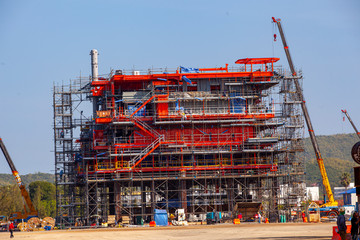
(11, 229)
(303, 216)
(355, 225)
(341, 224)
(259, 217)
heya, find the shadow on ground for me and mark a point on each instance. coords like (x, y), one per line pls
(284, 238)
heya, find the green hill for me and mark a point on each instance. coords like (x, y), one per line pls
(336, 152)
(8, 179)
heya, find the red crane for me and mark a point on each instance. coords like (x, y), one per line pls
(352, 123)
(30, 211)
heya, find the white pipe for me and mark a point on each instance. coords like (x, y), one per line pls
(94, 65)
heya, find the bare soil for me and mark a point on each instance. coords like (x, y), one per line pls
(282, 231)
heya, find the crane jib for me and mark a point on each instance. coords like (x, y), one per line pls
(24, 192)
(314, 142)
(17, 178)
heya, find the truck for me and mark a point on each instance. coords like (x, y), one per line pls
(30, 211)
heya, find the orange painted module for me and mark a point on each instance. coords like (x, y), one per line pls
(187, 120)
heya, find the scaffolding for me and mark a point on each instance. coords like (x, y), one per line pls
(203, 140)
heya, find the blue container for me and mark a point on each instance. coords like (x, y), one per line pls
(161, 217)
(210, 215)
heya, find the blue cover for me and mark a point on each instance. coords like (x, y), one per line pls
(237, 103)
(353, 190)
(140, 113)
(186, 80)
(189, 70)
(161, 217)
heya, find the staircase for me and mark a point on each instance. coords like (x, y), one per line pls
(140, 104)
(146, 152)
(145, 127)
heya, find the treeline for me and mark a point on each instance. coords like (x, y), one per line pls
(336, 152)
(42, 195)
(334, 168)
(8, 179)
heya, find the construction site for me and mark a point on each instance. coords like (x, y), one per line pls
(180, 120)
(225, 140)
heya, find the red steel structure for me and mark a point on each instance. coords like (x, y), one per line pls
(180, 119)
(200, 139)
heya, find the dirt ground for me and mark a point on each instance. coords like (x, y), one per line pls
(317, 231)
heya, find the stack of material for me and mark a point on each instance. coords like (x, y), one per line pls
(23, 227)
(125, 220)
(111, 220)
(34, 223)
(48, 222)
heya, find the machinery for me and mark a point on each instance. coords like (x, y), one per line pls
(352, 123)
(29, 208)
(3, 223)
(331, 205)
(179, 219)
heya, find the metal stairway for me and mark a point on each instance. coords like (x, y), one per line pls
(145, 127)
(146, 152)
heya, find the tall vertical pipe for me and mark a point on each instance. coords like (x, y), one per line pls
(94, 75)
(94, 65)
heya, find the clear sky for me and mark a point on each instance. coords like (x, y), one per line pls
(42, 42)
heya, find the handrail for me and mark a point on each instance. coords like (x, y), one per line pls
(146, 152)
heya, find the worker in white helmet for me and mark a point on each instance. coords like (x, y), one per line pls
(341, 223)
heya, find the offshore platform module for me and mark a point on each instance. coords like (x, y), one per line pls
(198, 139)
(193, 117)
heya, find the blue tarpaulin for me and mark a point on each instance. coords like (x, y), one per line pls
(189, 70)
(186, 80)
(161, 217)
(237, 103)
(177, 107)
(349, 191)
(140, 113)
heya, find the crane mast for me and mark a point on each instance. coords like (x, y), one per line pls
(352, 123)
(331, 201)
(23, 190)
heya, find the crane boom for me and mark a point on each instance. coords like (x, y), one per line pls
(352, 123)
(23, 190)
(314, 142)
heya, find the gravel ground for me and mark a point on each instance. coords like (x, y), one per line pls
(301, 231)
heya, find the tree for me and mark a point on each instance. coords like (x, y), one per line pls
(42, 195)
(345, 180)
(10, 200)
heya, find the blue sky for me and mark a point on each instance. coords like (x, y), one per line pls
(42, 42)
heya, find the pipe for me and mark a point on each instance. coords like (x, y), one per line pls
(94, 65)
(94, 76)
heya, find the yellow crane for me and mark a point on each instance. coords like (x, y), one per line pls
(331, 202)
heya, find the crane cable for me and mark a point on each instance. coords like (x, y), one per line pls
(273, 42)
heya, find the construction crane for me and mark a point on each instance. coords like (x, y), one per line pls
(30, 211)
(331, 202)
(352, 123)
